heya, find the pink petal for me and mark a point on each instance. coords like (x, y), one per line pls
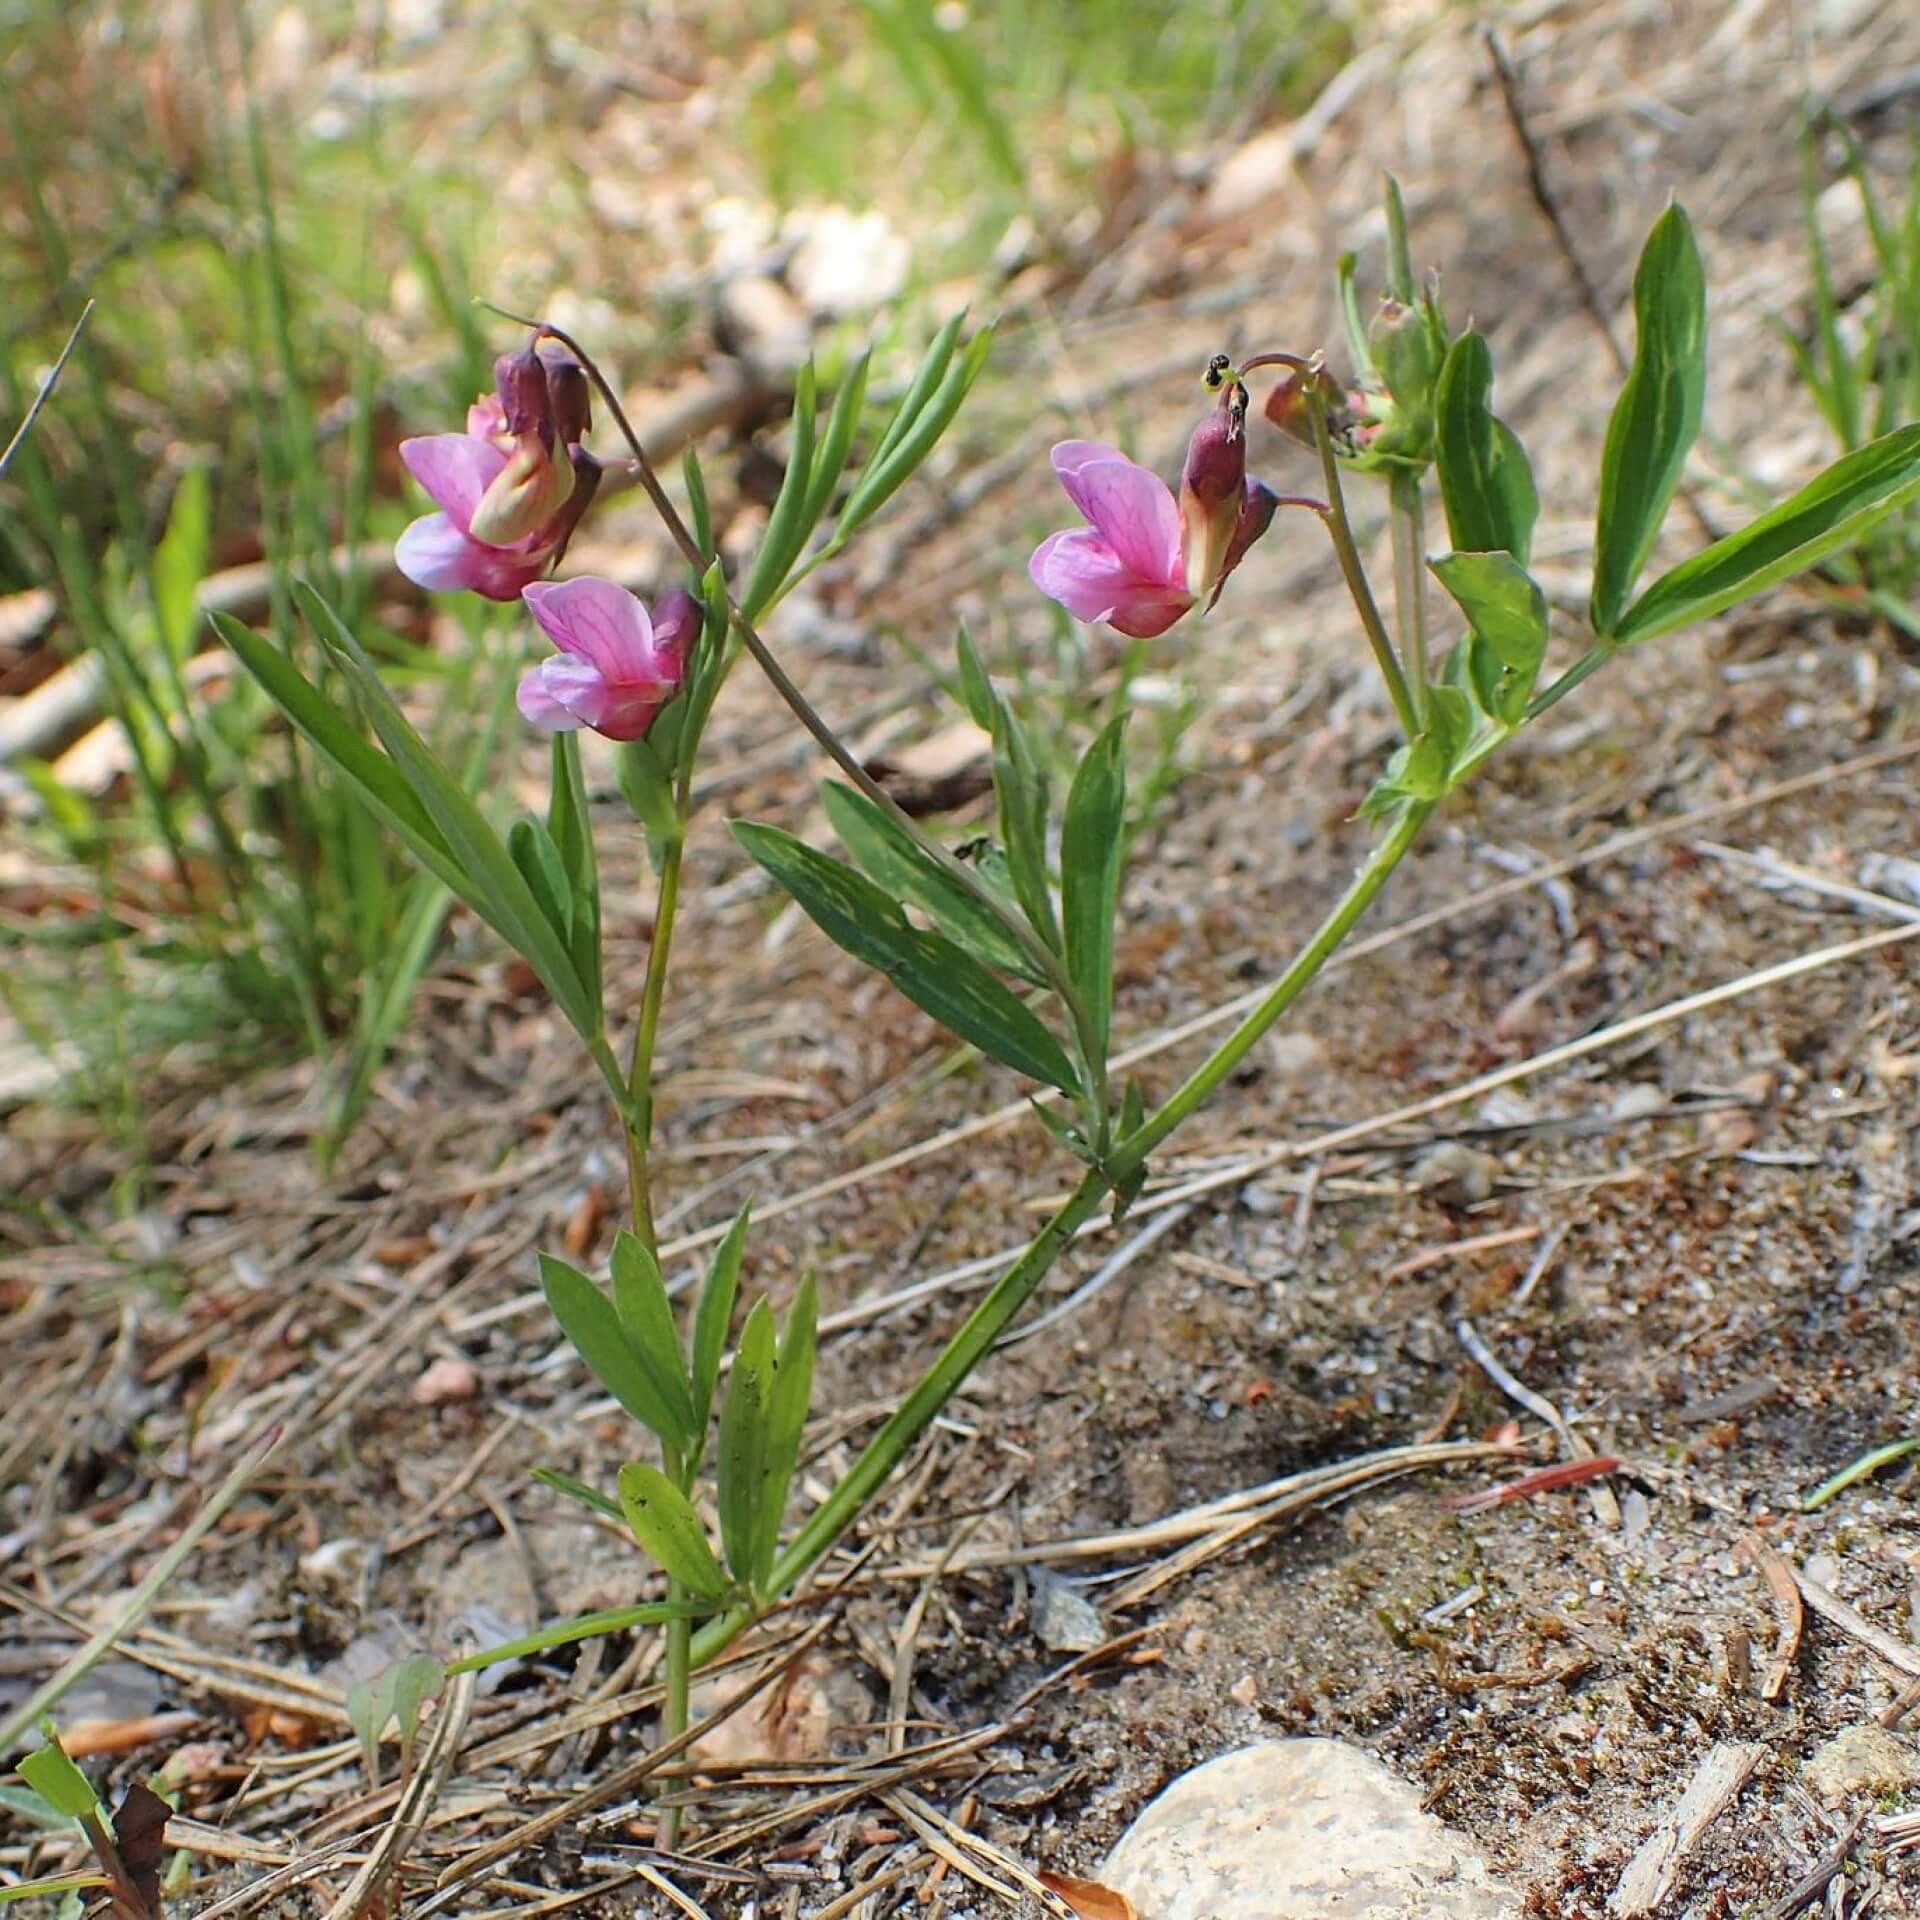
(602, 622)
(1090, 580)
(434, 553)
(564, 693)
(677, 618)
(455, 469)
(629, 712)
(486, 418)
(1132, 507)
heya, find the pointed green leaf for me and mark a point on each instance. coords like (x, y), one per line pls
(889, 470)
(714, 1315)
(926, 377)
(588, 1319)
(698, 507)
(541, 867)
(976, 689)
(936, 975)
(646, 1318)
(787, 1403)
(836, 440)
(590, 1497)
(1656, 417)
(1093, 845)
(570, 823)
(1508, 614)
(489, 881)
(896, 862)
(1486, 484)
(340, 740)
(745, 1439)
(1829, 512)
(787, 526)
(665, 1524)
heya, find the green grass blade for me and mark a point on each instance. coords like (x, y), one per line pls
(1093, 843)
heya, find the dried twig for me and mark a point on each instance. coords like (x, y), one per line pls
(1789, 1618)
(1652, 1871)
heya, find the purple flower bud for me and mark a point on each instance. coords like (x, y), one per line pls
(1211, 489)
(570, 394)
(533, 485)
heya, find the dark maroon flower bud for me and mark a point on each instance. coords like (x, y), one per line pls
(1211, 486)
(533, 486)
(570, 394)
(1258, 504)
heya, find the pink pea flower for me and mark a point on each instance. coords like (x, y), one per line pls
(1144, 560)
(617, 666)
(511, 489)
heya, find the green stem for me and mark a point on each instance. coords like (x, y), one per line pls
(988, 1321)
(1131, 1155)
(675, 1708)
(1340, 529)
(968, 1347)
(1410, 581)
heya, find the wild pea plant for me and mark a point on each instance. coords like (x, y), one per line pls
(1011, 949)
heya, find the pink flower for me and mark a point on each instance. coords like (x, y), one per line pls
(617, 665)
(510, 490)
(1125, 565)
(1144, 559)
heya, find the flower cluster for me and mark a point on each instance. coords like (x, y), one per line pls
(1144, 560)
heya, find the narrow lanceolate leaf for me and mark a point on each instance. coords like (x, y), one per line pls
(1486, 483)
(664, 1522)
(1092, 852)
(541, 868)
(646, 1318)
(1508, 614)
(1656, 417)
(926, 377)
(338, 737)
(1828, 513)
(488, 879)
(714, 1315)
(787, 525)
(895, 861)
(590, 1497)
(745, 1442)
(571, 826)
(939, 977)
(786, 1418)
(836, 440)
(588, 1319)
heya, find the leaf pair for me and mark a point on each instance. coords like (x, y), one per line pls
(395, 1693)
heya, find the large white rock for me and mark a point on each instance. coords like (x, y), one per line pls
(1308, 1829)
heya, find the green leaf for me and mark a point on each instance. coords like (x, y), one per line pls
(939, 977)
(896, 862)
(1486, 484)
(926, 377)
(976, 689)
(1093, 844)
(1656, 417)
(698, 506)
(570, 825)
(836, 441)
(787, 526)
(1508, 615)
(646, 1318)
(745, 1442)
(1829, 512)
(714, 1315)
(340, 740)
(890, 469)
(49, 1884)
(487, 878)
(582, 1626)
(24, 1804)
(543, 870)
(589, 1497)
(54, 1777)
(1400, 283)
(1023, 794)
(787, 1402)
(665, 1524)
(588, 1319)
(182, 560)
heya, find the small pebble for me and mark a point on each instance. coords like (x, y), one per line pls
(446, 1381)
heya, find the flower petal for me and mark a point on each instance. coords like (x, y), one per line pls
(434, 553)
(455, 469)
(600, 621)
(1130, 506)
(677, 618)
(1080, 570)
(564, 693)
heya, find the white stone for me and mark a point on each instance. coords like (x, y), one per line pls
(1312, 1829)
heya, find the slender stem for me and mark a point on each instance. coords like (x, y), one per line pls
(1410, 581)
(675, 1708)
(968, 1347)
(47, 386)
(1132, 1152)
(1340, 530)
(1036, 949)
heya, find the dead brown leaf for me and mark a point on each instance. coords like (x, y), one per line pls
(1088, 1898)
